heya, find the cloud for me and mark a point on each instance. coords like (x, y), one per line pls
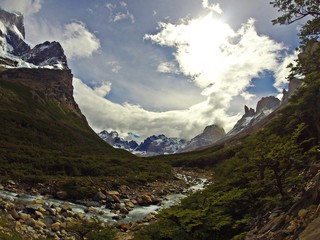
(103, 90)
(114, 66)
(111, 6)
(119, 16)
(74, 37)
(213, 7)
(123, 4)
(78, 41)
(26, 7)
(167, 67)
(104, 114)
(219, 60)
(120, 12)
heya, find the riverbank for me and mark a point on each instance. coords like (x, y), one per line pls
(38, 216)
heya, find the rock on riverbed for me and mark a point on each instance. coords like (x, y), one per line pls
(126, 207)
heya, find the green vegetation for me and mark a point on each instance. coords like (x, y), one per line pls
(264, 173)
(7, 231)
(44, 140)
(92, 230)
(259, 173)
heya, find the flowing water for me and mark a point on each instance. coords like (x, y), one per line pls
(102, 213)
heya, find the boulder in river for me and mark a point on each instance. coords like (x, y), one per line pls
(62, 195)
(99, 196)
(113, 193)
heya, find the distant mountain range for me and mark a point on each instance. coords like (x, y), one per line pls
(151, 146)
(161, 144)
(15, 53)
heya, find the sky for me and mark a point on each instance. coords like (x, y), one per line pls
(169, 67)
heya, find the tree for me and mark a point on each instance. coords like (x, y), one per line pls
(279, 155)
(295, 10)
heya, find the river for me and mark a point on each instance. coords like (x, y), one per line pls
(104, 214)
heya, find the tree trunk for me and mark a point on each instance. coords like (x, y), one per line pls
(278, 181)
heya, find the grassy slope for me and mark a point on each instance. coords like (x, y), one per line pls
(41, 138)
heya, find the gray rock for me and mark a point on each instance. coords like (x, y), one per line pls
(92, 204)
(99, 197)
(124, 211)
(210, 135)
(267, 103)
(62, 195)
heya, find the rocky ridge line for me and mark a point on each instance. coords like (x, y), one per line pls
(15, 52)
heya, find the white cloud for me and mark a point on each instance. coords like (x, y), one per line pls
(110, 6)
(104, 114)
(119, 16)
(26, 7)
(282, 72)
(103, 90)
(213, 7)
(114, 66)
(123, 4)
(78, 41)
(247, 96)
(219, 60)
(119, 13)
(167, 67)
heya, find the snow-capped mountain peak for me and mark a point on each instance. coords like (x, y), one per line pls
(114, 140)
(151, 146)
(16, 53)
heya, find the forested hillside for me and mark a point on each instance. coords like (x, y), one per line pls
(45, 138)
(269, 187)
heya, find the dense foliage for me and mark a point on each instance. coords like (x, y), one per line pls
(265, 173)
(266, 170)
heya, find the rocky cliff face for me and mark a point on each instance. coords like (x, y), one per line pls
(54, 85)
(44, 68)
(210, 135)
(12, 32)
(267, 103)
(15, 52)
(47, 54)
(264, 107)
(293, 85)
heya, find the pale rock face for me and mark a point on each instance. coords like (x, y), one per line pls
(293, 85)
(210, 135)
(265, 106)
(267, 103)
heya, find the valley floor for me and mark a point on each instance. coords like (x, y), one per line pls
(36, 216)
